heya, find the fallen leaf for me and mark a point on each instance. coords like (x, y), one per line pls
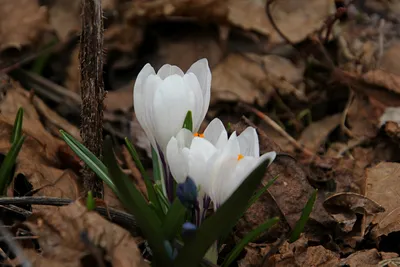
(64, 17)
(316, 133)
(366, 258)
(383, 187)
(390, 59)
(384, 79)
(71, 233)
(119, 100)
(363, 117)
(300, 254)
(238, 79)
(21, 26)
(290, 16)
(343, 207)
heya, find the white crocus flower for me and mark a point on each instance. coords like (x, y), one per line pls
(217, 165)
(162, 100)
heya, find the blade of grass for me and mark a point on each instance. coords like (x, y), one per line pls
(174, 219)
(8, 163)
(17, 128)
(149, 185)
(247, 239)
(90, 203)
(89, 158)
(134, 201)
(299, 227)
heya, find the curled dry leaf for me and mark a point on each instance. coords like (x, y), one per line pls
(71, 233)
(383, 186)
(22, 23)
(343, 207)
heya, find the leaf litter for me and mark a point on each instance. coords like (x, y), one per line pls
(342, 120)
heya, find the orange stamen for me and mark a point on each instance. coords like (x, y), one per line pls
(240, 156)
(198, 135)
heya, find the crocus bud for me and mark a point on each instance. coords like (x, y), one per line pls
(188, 230)
(187, 193)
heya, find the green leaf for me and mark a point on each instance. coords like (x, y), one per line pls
(299, 227)
(153, 198)
(253, 199)
(146, 218)
(163, 199)
(188, 122)
(247, 239)
(221, 221)
(259, 193)
(8, 163)
(156, 166)
(174, 219)
(90, 203)
(89, 158)
(17, 129)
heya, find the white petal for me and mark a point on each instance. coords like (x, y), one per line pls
(248, 142)
(172, 101)
(232, 147)
(192, 84)
(203, 73)
(216, 133)
(222, 171)
(270, 156)
(184, 137)
(177, 160)
(200, 152)
(168, 70)
(143, 101)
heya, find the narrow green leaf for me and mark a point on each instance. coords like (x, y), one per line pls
(90, 202)
(174, 219)
(89, 158)
(299, 227)
(8, 163)
(146, 218)
(17, 129)
(220, 222)
(259, 193)
(163, 199)
(149, 185)
(156, 166)
(247, 239)
(253, 199)
(188, 122)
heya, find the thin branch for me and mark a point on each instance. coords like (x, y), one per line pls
(92, 88)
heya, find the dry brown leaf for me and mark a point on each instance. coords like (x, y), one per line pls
(295, 21)
(383, 78)
(363, 117)
(383, 187)
(22, 23)
(119, 100)
(366, 258)
(343, 207)
(316, 133)
(62, 237)
(390, 61)
(65, 16)
(291, 17)
(299, 254)
(237, 78)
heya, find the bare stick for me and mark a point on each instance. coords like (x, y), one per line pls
(92, 88)
(277, 128)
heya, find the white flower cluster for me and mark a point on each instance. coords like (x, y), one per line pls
(216, 163)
